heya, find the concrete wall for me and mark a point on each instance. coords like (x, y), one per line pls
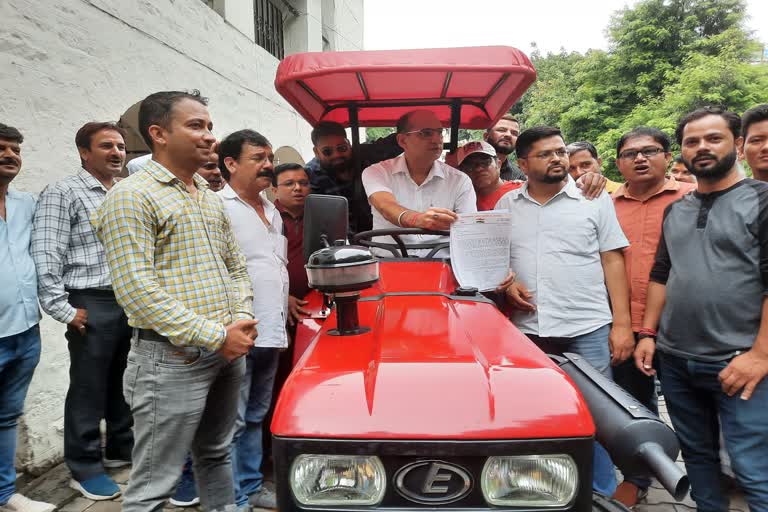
(66, 62)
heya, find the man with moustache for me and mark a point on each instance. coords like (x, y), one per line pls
(642, 156)
(333, 171)
(583, 159)
(178, 273)
(211, 173)
(75, 288)
(415, 189)
(19, 317)
(680, 172)
(754, 130)
(247, 163)
(477, 159)
(707, 297)
(502, 137)
(572, 263)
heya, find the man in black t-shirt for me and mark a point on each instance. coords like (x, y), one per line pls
(708, 295)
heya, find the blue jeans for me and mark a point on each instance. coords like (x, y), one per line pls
(181, 398)
(255, 398)
(694, 399)
(592, 346)
(19, 355)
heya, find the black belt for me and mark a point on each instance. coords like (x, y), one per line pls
(100, 292)
(150, 335)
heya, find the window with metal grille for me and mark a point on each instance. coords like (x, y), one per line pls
(268, 22)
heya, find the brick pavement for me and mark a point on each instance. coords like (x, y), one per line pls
(53, 488)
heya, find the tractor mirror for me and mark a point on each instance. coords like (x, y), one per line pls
(325, 221)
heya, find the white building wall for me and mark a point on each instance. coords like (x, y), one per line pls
(66, 62)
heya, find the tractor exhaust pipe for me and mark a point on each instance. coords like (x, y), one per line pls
(637, 440)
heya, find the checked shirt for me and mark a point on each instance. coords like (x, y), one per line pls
(175, 265)
(65, 249)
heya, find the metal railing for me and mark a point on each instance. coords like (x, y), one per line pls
(268, 24)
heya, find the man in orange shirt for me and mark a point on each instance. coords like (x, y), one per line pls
(642, 157)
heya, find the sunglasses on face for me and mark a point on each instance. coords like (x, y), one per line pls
(328, 151)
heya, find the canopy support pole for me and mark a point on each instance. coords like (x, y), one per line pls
(455, 120)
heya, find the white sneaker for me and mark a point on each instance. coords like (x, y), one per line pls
(20, 503)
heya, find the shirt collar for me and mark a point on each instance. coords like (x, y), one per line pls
(282, 209)
(570, 189)
(401, 167)
(163, 175)
(670, 185)
(90, 181)
(229, 193)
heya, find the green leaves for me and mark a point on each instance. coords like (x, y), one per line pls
(666, 58)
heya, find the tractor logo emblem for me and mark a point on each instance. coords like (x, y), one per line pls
(433, 482)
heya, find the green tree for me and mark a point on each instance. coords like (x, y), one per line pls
(665, 57)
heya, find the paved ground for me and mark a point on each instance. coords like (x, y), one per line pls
(53, 488)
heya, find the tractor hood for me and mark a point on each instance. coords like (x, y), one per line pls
(433, 366)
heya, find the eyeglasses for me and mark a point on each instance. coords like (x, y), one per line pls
(341, 148)
(292, 184)
(631, 154)
(428, 133)
(547, 155)
(477, 163)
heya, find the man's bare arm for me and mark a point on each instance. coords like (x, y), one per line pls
(621, 338)
(436, 219)
(654, 304)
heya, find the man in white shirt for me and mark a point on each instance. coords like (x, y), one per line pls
(246, 161)
(415, 189)
(567, 250)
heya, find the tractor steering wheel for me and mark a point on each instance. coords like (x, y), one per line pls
(399, 249)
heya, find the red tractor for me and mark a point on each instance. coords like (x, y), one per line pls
(410, 392)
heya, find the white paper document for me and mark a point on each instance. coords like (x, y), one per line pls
(480, 247)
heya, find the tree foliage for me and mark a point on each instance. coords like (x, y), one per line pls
(665, 58)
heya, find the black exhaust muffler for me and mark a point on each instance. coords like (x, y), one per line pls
(637, 440)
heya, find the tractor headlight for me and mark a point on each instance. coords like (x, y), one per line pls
(530, 481)
(338, 480)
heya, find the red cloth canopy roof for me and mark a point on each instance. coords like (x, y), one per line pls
(384, 85)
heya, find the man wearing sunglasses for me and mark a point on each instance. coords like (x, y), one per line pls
(416, 189)
(333, 170)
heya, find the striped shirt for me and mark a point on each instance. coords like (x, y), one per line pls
(66, 251)
(175, 265)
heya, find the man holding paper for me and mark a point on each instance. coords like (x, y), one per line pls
(567, 251)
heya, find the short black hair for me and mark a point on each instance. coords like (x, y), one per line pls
(290, 166)
(326, 128)
(754, 115)
(732, 118)
(645, 131)
(582, 145)
(85, 134)
(530, 136)
(10, 133)
(232, 146)
(157, 108)
(677, 160)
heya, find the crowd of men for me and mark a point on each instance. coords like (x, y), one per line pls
(180, 285)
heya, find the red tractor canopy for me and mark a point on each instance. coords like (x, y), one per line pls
(464, 87)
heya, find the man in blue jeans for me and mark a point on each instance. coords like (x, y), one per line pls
(19, 317)
(567, 251)
(707, 296)
(246, 162)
